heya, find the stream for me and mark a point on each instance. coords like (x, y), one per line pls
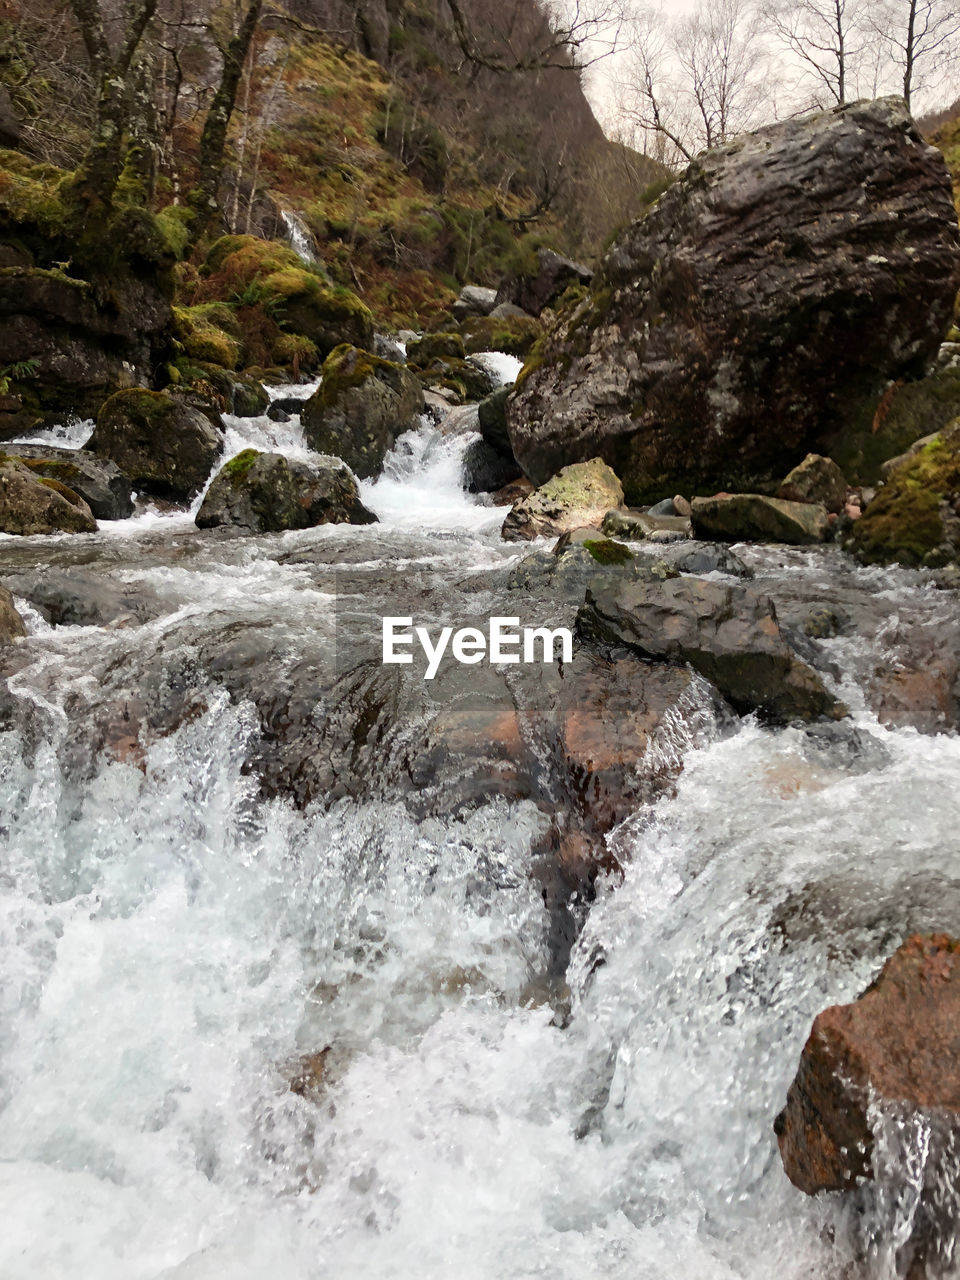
(176, 940)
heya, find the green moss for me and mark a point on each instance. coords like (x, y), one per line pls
(904, 415)
(607, 552)
(348, 366)
(903, 524)
(516, 335)
(435, 346)
(295, 350)
(238, 467)
(203, 334)
(64, 490)
(173, 223)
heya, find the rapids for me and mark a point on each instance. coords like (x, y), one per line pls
(171, 944)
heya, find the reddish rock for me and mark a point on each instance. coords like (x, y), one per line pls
(899, 1043)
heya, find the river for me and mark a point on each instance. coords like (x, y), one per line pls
(173, 940)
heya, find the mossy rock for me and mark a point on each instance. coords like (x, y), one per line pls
(165, 445)
(269, 493)
(913, 519)
(907, 413)
(328, 315)
(204, 333)
(250, 398)
(433, 347)
(296, 352)
(514, 335)
(362, 405)
(464, 378)
(31, 504)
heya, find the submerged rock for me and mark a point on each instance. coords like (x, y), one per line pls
(100, 482)
(817, 480)
(11, 624)
(640, 525)
(361, 407)
(267, 493)
(31, 504)
(165, 446)
(752, 517)
(767, 299)
(579, 496)
(890, 1055)
(727, 632)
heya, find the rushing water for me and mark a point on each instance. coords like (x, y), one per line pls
(172, 944)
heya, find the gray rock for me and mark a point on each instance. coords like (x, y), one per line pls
(11, 624)
(100, 482)
(31, 505)
(362, 405)
(553, 274)
(474, 300)
(764, 303)
(816, 479)
(165, 446)
(267, 493)
(638, 525)
(580, 495)
(727, 632)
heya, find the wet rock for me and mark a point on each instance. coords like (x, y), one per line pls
(361, 407)
(474, 300)
(487, 471)
(752, 517)
(287, 406)
(11, 624)
(729, 633)
(492, 421)
(639, 525)
(824, 622)
(166, 447)
(543, 282)
(893, 1050)
(387, 349)
(764, 302)
(707, 558)
(512, 493)
(31, 504)
(817, 480)
(435, 346)
(267, 493)
(922, 694)
(914, 519)
(580, 495)
(513, 333)
(73, 597)
(100, 482)
(250, 398)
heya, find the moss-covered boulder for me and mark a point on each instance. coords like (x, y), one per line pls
(816, 479)
(362, 405)
(11, 624)
(267, 493)
(468, 381)
(165, 446)
(578, 497)
(31, 504)
(906, 412)
(513, 334)
(327, 315)
(98, 481)
(753, 517)
(208, 333)
(250, 398)
(914, 519)
(435, 346)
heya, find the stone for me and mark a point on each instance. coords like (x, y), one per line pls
(11, 624)
(98, 481)
(165, 446)
(729, 633)
(289, 406)
(816, 480)
(362, 405)
(766, 301)
(543, 282)
(474, 300)
(250, 398)
(914, 519)
(31, 504)
(639, 525)
(267, 493)
(681, 506)
(580, 495)
(896, 1046)
(435, 346)
(487, 471)
(752, 517)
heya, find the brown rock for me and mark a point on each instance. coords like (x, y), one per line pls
(898, 1044)
(816, 479)
(11, 624)
(31, 505)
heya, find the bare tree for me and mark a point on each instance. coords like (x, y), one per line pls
(573, 36)
(826, 37)
(922, 38)
(695, 82)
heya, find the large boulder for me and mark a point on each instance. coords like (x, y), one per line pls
(166, 446)
(578, 497)
(766, 301)
(31, 504)
(98, 481)
(891, 1055)
(914, 519)
(727, 632)
(267, 493)
(541, 282)
(11, 624)
(752, 517)
(362, 405)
